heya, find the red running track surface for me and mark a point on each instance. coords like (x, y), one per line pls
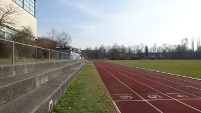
(135, 90)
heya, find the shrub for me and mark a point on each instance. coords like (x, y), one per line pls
(5, 49)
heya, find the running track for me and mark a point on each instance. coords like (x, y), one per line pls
(135, 90)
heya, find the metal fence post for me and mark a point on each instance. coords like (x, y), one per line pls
(57, 55)
(62, 55)
(49, 55)
(13, 52)
(36, 52)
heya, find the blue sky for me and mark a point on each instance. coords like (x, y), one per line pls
(92, 23)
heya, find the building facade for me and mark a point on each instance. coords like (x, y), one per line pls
(70, 53)
(25, 17)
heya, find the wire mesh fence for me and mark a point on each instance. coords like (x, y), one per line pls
(14, 52)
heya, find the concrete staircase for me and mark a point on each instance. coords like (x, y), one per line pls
(35, 87)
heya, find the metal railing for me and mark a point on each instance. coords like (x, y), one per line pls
(49, 54)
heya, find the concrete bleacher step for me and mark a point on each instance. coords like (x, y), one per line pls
(42, 98)
(19, 69)
(14, 86)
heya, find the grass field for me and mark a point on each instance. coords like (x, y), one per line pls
(86, 94)
(191, 68)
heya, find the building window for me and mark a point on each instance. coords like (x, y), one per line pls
(6, 33)
(28, 5)
(2, 35)
(19, 2)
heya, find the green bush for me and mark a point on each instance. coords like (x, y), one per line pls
(5, 49)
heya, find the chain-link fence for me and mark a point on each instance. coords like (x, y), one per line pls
(13, 52)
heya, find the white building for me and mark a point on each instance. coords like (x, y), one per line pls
(25, 17)
(70, 53)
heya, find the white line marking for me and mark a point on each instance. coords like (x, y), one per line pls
(116, 108)
(183, 86)
(182, 96)
(150, 94)
(125, 97)
(118, 111)
(157, 91)
(122, 94)
(173, 93)
(132, 90)
(160, 83)
(154, 96)
(158, 100)
(175, 76)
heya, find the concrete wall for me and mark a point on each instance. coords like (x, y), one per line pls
(23, 19)
(20, 69)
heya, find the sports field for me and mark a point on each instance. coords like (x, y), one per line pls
(191, 68)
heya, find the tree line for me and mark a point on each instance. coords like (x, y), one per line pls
(142, 51)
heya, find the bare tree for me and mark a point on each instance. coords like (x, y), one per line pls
(146, 51)
(154, 47)
(184, 43)
(192, 44)
(7, 13)
(63, 39)
(52, 33)
(102, 51)
(198, 42)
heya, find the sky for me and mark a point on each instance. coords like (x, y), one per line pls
(92, 23)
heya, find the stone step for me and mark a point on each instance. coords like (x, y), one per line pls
(42, 98)
(15, 86)
(23, 68)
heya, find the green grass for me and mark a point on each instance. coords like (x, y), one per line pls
(5, 61)
(191, 68)
(86, 94)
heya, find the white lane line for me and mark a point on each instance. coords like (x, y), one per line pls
(175, 77)
(189, 99)
(183, 85)
(173, 93)
(115, 105)
(116, 108)
(160, 83)
(179, 95)
(158, 91)
(132, 90)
